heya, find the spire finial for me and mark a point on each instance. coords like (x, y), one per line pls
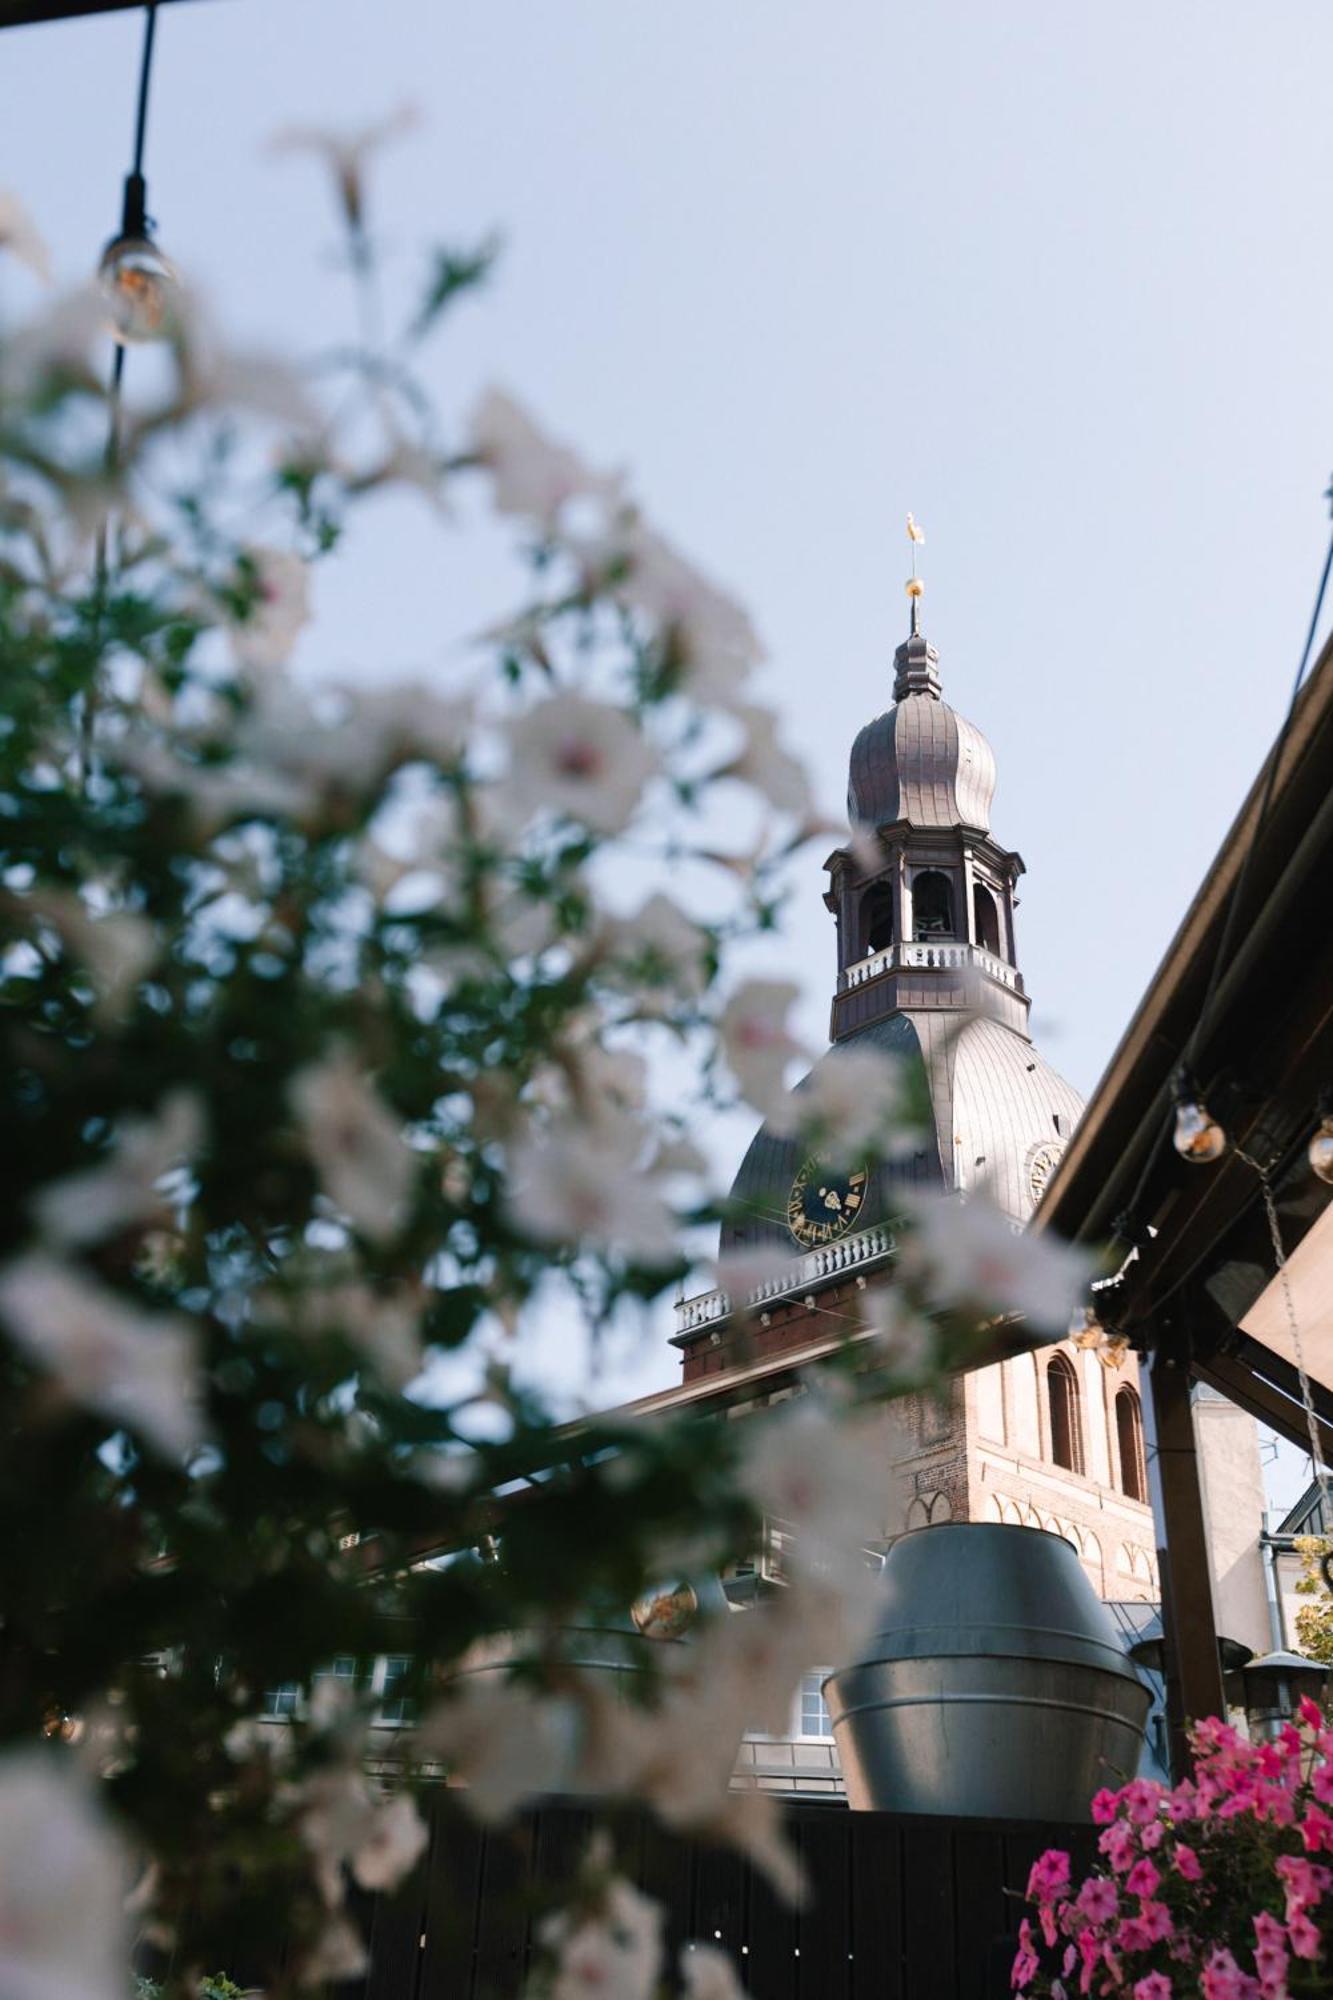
(915, 587)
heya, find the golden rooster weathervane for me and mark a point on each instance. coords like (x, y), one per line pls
(916, 535)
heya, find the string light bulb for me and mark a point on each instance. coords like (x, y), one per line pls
(138, 281)
(1197, 1136)
(1320, 1154)
(1085, 1329)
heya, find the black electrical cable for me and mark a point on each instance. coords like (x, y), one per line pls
(133, 222)
(145, 75)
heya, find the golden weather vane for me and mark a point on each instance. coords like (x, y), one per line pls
(916, 535)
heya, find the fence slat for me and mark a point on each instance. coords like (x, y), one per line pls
(983, 1915)
(931, 1949)
(719, 1912)
(453, 1886)
(502, 1922)
(875, 1852)
(823, 1971)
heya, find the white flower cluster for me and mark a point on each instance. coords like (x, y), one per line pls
(824, 1474)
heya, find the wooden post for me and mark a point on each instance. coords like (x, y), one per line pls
(1189, 1625)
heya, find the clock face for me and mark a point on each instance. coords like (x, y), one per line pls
(825, 1202)
(1041, 1165)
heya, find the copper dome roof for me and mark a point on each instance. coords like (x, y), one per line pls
(921, 761)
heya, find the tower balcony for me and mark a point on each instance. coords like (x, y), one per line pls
(925, 975)
(868, 1246)
(934, 955)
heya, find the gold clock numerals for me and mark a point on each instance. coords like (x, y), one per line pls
(1041, 1165)
(824, 1202)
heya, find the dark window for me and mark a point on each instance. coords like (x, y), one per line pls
(395, 1706)
(987, 919)
(1066, 1425)
(932, 906)
(877, 919)
(1129, 1436)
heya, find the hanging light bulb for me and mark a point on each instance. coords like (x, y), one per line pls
(141, 289)
(1085, 1329)
(138, 282)
(1197, 1136)
(1320, 1154)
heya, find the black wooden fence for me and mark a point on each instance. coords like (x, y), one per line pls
(901, 1908)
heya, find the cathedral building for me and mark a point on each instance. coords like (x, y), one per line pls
(923, 903)
(927, 969)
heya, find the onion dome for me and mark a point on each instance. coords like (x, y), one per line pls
(922, 761)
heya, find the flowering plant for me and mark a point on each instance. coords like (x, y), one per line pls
(1213, 1888)
(349, 1038)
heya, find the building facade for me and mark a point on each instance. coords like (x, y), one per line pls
(927, 969)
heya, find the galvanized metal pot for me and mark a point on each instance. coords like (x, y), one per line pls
(995, 1685)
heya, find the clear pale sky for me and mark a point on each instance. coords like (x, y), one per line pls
(1055, 277)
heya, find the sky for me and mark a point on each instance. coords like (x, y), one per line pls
(1052, 277)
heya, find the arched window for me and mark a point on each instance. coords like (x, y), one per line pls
(876, 919)
(1129, 1436)
(932, 906)
(1066, 1418)
(986, 919)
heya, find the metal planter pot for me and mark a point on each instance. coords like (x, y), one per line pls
(995, 1685)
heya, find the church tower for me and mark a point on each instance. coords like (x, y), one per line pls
(927, 969)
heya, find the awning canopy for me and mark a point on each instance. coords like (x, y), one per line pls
(22, 13)
(1203, 1273)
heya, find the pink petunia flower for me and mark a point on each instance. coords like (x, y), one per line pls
(1142, 1879)
(1050, 1876)
(1304, 1935)
(1026, 1964)
(1155, 1987)
(1187, 1863)
(1098, 1899)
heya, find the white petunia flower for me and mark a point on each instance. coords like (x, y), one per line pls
(903, 1337)
(763, 763)
(58, 344)
(850, 1105)
(614, 1955)
(504, 1744)
(532, 475)
(824, 1475)
(116, 949)
(63, 1878)
(125, 1187)
(660, 954)
(713, 637)
(384, 1327)
(742, 1273)
(356, 1145)
(584, 758)
(135, 1368)
(708, 1974)
(753, 1822)
(339, 1954)
(758, 1044)
(266, 637)
(345, 153)
(971, 1253)
(584, 1185)
(21, 237)
(393, 1845)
